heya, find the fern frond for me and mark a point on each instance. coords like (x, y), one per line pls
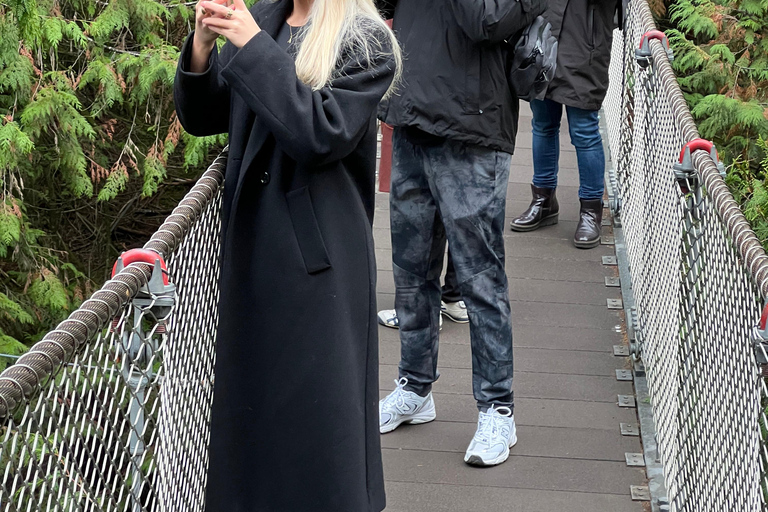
(48, 292)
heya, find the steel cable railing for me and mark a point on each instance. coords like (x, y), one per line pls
(110, 410)
(699, 277)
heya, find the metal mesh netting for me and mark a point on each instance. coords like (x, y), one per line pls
(120, 422)
(698, 277)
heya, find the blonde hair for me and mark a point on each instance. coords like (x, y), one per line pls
(339, 28)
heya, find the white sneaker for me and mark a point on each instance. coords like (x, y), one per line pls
(496, 434)
(401, 406)
(388, 318)
(456, 311)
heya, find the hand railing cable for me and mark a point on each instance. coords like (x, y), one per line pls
(110, 411)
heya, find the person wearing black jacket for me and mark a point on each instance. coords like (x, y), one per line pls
(455, 122)
(584, 29)
(294, 419)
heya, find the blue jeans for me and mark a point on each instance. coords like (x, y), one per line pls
(454, 191)
(585, 137)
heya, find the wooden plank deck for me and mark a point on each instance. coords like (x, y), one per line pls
(570, 455)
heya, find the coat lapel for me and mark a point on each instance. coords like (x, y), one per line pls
(269, 19)
(269, 16)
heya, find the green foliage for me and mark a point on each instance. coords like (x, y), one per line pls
(694, 16)
(10, 310)
(88, 139)
(748, 184)
(115, 183)
(9, 346)
(721, 59)
(198, 148)
(47, 291)
(101, 74)
(10, 231)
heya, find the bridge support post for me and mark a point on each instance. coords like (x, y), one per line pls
(139, 352)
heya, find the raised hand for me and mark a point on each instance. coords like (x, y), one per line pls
(233, 22)
(204, 35)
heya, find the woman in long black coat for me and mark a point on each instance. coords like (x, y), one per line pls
(295, 411)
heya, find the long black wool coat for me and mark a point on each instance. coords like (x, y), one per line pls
(584, 29)
(295, 416)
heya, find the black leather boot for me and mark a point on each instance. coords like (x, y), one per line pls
(590, 222)
(543, 211)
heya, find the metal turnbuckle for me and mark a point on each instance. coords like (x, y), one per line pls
(643, 54)
(138, 350)
(685, 173)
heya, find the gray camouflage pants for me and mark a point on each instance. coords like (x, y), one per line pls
(456, 191)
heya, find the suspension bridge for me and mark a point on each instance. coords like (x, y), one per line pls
(639, 364)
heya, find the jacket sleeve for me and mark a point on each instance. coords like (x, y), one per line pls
(311, 126)
(202, 99)
(495, 20)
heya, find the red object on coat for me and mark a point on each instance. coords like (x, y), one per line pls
(385, 165)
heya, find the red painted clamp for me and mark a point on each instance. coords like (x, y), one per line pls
(764, 322)
(760, 341)
(684, 164)
(140, 256)
(643, 54)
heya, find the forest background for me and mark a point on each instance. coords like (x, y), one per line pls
(721, 61)
(93, 158)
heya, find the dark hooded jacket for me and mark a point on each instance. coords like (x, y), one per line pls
(454, 77)
(584, 29)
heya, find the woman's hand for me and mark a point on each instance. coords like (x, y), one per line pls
(204, 36)
(234, 22)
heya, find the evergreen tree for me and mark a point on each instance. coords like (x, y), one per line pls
(89, 147)
(721, 59)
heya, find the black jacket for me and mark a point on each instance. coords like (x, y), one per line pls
(454, 81)
(584, 29)
(295, 421)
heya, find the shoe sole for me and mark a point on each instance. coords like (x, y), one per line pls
(476, 460)
(398, 327)
(454, 319)
(417, 419)
(587, 245)
(546, 221)
(387, 325)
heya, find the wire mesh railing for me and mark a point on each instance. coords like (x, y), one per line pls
(699, 277)
(110, 411)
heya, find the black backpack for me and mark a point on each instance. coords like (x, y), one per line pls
(532, 60)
